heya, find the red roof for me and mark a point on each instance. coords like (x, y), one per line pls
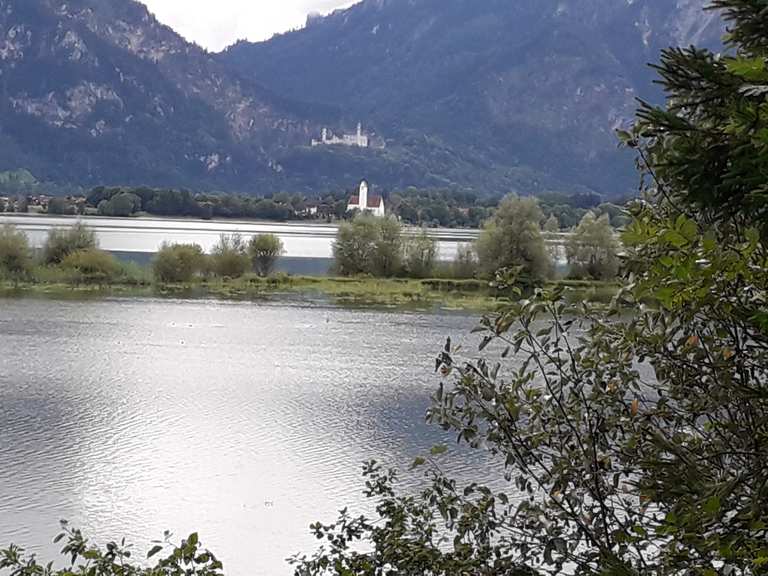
(373, 201)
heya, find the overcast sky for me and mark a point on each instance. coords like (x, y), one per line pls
(216, 24)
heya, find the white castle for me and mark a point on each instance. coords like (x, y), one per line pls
(358, 140)
(365, 202)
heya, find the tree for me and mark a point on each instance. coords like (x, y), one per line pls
(420, 255)
(465, 263)
(178, 263)
(552, 224)
(15, 259)
(229, 257)
(369, 245)
(61, 206)
(64, 241)
(593, 250)
(264, 251)
(121, 205)
(706, 145)
(512, 239)
(388, 253)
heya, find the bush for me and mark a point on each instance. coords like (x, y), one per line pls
(178, 263)
(229, 258)
(91, 266)
(86, 559)
(593, 250)
(61, 206)
(420, 256)
(512, 240)
(369, 245)
(264, 250)
(465, 263)
(15, 260)
(62, 242)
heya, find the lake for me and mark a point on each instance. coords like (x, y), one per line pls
(243, 421)
(302, 241)
(308, 246)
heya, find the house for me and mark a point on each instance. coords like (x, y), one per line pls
(365, 202)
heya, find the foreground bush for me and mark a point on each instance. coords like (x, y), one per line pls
(91, 266)
(178, 263)
(116, 559)
(15, 259)
(64, 241)
(229, 257)
(264, 251)
(635, 438)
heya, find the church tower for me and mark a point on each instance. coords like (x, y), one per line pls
(363, 195)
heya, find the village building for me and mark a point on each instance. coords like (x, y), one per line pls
(365, 202)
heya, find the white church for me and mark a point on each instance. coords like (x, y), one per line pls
(365, 202)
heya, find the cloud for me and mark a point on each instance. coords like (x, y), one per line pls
(216, 24)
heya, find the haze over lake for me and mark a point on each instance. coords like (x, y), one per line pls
(244, 421)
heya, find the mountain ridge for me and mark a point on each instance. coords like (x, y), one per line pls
(487, 96)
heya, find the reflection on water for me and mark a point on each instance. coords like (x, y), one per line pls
(246, 422)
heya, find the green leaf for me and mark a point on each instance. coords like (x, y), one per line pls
(154, 550)
(438, 450)
(712, 505)
(752, 69)
(418, 462)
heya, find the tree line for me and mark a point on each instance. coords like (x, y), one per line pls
(430, 208)
(513, 239)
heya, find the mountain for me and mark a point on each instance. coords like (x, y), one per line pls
(98, 91)
(484, 95)
(504, 94)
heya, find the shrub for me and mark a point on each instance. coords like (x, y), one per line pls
(178, 263)
(91, 266)
(229, 258)
(15, 260)
(61, 206)
(420, 256)
(465, 263)
(83, 558)
(264, 250)
(512, 239)
(593, 250)
(62, 242)
(369, 245)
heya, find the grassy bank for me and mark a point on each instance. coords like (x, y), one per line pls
(471, 295)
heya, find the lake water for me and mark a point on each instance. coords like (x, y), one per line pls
(245, 422)
(146, 235)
